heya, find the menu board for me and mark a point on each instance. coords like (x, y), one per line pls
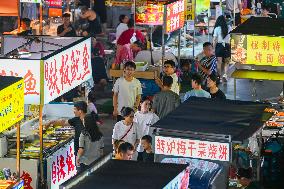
(149, 13)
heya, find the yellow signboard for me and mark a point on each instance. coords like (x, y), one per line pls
(11, 105)
(263, 50)
(189, 10)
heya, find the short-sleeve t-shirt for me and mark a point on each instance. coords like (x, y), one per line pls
(127, 92)
(218, 95)
(71, 33)
(120, 129)
(196, 93)
(164, 102)
(209, 63)
(144, 120)
(78, 126)
(219, 36)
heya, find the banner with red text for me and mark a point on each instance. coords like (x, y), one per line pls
(192, 148)
(175, 16)
(66, 70)
(27, 69)
(61, 166)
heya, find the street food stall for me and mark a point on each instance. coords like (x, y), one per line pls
(11, 113)
(257, 47)
(50, 67)
(211, 130)
(121, 174)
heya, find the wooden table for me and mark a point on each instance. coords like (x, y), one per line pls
(151, 73)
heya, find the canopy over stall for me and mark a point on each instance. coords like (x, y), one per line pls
(116, 174)
(239, 119)
(9, 8)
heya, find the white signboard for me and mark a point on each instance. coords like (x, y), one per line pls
(30, 71)
(66, 70)
(192, 148)
(29, 170)
(61, 166)
(30, 1)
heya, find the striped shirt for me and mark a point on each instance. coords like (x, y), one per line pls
(209, 63)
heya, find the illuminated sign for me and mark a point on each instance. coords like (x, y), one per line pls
(27, 69)
(192, 148)
(175, 16)
(257, 50)
(11, 105)
(62, 166)
(66, 70)
(149, 14)
(263, 50)
(54, 3)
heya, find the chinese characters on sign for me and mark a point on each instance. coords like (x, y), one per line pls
(54, 3)
(175, 16)
(189, 10)
(192, 148)
(62, 165)
(27, 69)
(149, 14)
(11, 105)
(263, 50)
(66, 70)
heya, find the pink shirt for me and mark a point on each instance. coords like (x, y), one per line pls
(123, 54)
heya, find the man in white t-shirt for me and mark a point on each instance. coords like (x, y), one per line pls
(236, 5)
(126, 91)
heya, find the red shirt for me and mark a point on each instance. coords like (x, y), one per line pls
(124, 53)
(126, 36)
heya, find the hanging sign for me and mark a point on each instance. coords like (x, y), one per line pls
(189, 10)
(11, 104)
(30, 1)
(54, 3)
(66, 70)
(175, 16)
(192, 148)
(149, 14)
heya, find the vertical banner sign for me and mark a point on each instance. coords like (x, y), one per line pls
(66, 70)
(27, 69)
(11, 105)
(148, 13)
(61, 166)
(263, 50)
(189, 9)
(192, 148)
(175, 16)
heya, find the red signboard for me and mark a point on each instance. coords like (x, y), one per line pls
(192, 148)
(149, 14)
(54, 3)
(175, 16)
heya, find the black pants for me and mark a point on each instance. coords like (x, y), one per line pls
(82, 167)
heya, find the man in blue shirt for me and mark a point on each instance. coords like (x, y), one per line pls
(197, 90)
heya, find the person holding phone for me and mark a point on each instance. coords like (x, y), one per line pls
(66, 29)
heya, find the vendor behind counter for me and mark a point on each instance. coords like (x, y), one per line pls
(25, 27)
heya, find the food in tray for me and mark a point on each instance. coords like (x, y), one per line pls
(280, 114)
(280, 120)
(271, 110)
(273, 124)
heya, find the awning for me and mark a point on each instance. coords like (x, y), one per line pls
(8, 8)
(257, 74)
(239, 119)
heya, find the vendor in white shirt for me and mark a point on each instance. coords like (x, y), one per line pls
(122, 26)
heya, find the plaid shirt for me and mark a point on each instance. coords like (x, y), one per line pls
(209, 63)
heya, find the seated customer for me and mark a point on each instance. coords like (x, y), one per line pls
(165, 101)
(197, 90)
(66, 29)
(215, 92)
(25, 26)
